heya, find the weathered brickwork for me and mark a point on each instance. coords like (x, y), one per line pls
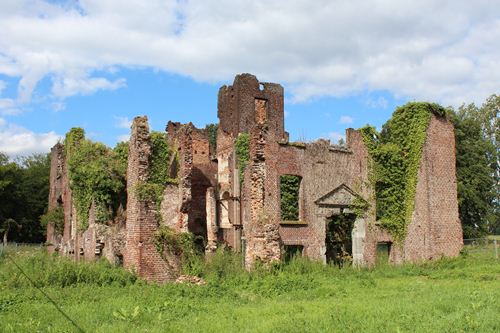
(55, 194)
(141, 254)
(435, 230)
(210, 201)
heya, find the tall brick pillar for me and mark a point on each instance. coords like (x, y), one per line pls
(262, 233)
(211, 220)
(140, 253)
(55, 193)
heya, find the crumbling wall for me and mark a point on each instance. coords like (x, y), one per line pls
(211, 208)
(69, 243)
(55, 194)
(196, 173)
(237, 105)
(435, 228)
(141, 254)
(102, 240)
(263, 242)
(323, 168)
(208, 199)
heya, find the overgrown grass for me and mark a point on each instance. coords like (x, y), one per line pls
(449, 295)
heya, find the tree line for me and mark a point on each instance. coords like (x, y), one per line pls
(24, 182)
(24, 192)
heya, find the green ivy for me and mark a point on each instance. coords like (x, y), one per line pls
(396, 154)
(152, 189)
(212, 135)
(359, 207)
(289, 189)
(180, 244)
(242, 146)
(147, 191)
(96, 174)
(160, 158)
(73, 138)
(55, 216)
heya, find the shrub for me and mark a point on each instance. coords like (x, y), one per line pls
(97, 174)
(55, 216)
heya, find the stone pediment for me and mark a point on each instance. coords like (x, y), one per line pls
(341, 196)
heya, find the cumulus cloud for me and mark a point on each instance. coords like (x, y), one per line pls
(16, 140)
(445, 51)
(346, 120)
(379, 102)
(68, 86)
(123, 122)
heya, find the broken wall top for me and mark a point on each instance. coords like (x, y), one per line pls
(249, 102)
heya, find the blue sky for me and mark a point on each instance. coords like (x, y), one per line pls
(98, 63)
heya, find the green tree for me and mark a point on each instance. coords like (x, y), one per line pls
(34, 187)
(24, 189)
(476, 171)
(7, 226)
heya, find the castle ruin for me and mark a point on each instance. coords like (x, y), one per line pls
(243, 204)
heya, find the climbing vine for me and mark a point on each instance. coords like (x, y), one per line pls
(396, 154)
(180, 244)
(152, 189)
(73, 138)
(289, 189)
(96, 174)
(56, 217)
(177, 243)
(359, 207)
(159, 160)
(242, 146)
(212, 135)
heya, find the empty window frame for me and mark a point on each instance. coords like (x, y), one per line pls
(290, 197)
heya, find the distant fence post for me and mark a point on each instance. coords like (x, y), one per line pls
(495, 243)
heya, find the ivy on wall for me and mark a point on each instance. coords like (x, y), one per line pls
(396, 154)
(152, 189)
(180, 244)
(56, 217)
(242, 146)
(212, 135)
(289, 189)
(96, 174)
(159, 160)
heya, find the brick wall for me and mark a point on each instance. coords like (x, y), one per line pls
(140, 254)
(435, 229)
(331, 177)
(55, 193)
(236, 105)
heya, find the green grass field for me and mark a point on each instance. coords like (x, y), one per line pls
(450, 295)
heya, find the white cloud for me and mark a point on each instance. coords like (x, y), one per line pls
(346, 120)
(16, 140)
(433, 50)
(123, 122)
(9, 107)
(380, 102)
(2, 86)
(66, 87)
